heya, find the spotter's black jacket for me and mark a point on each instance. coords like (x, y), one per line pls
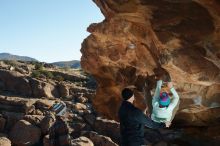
(132, 122)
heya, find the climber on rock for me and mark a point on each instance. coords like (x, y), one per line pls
(132, 121)
(165, 101)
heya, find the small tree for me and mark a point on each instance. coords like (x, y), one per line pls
(39, 66)
(47, 74)
(10, 62)
(66, 68)
(35, 74)
(59, 78)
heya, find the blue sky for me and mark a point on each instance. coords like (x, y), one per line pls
(48, 30)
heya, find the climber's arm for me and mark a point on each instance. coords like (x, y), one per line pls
(174, 102)
(157, 92)
(175, 99)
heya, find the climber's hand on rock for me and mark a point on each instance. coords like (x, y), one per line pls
(162, 74)
(170, 85)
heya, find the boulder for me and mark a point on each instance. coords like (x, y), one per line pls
(81, 99)
(70, 76)
(44, 104)
(139, 37)
(4, 141)
(46, 123)
(77, 91)
(26, 68)
(20, 70)
(43, 89)
(37, 112)
(69, 104)
(15, 82)
(16, 104)
(79, 106)
(89, 118)
(24, 134)
(82, 141)
(77, 128)
(99, 140)
(63, 90)
(75, 117)
(197, 115)
(108, 128)
(12, 118)
(34, 119)
(46, 140)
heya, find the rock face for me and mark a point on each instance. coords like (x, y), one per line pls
(29, 80)
(18, 83)
(46, 141)
(24, 134)
(43, 89)
(15, 82)
(82, 141)
(99, 140)
(198, 116)
(109, 128)
(64, 91)
(16, 104)
(46, 123)
(4, 141)
(137, 37)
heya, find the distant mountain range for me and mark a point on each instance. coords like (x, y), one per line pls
(7, 56)
(71, 64)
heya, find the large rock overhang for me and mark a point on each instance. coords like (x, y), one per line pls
(139, 36)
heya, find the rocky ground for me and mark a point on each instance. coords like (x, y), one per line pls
(26, 96)
(27, 90)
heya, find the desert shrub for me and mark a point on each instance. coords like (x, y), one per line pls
(36, 74)
(10, 62)
(47, 74)
(38, 66)
(59, 78)
(66, 68)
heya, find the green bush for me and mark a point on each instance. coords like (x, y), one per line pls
(66, 68)
(47, 74)
(38, 73)
(38, 66)
(35, 74)
(10, 62)
(59, 78)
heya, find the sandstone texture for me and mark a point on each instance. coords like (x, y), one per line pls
(24, 134)
(4, 141)
(137, 37)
